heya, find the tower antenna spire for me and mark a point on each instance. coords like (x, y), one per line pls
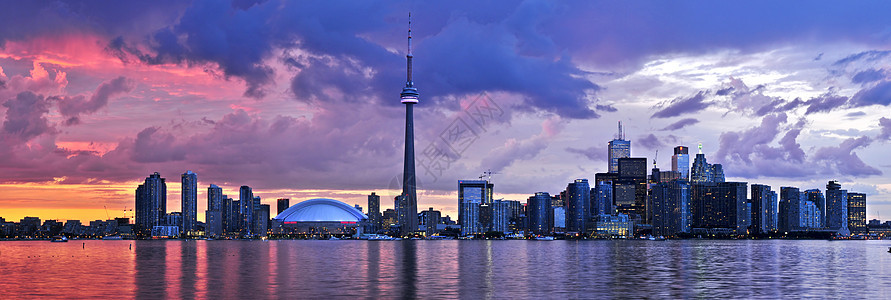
(621, 135)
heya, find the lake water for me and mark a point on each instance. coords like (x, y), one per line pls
(446, 269)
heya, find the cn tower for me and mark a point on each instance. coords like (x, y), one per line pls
(409, 97)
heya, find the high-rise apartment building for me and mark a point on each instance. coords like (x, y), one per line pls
(762, 209)
(151, 204)
(189, 203)
(836, 208)
(577, 206)
(282, 204)
(670, 210)
(246, 210)
(539, 213)
(857, 212)
(374, 213)
(473, 196)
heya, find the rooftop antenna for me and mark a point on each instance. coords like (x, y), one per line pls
(700, 148)
(620, 136)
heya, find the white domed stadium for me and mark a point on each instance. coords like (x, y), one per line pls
(320, 216)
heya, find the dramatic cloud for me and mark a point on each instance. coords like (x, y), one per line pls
(513, 150)
(650, 142)
(681, 124)
(843, 159)
(25, 116)
(73, 106)
(681, 106)
(877, 94)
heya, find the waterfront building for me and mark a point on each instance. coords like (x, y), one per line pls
(283, 203)
(680, 162)
(213, 223)
(174, 218)
(500, 216)
(430, 219)
(671, 213)
(231, 214)
(320, 217)
(559, 218)
(261, 220)
(630, 189)
(720, 208)
(613, 226)
(409, 221)
(539, 213)
(374, 213)
(389, 218)
(151, 204)
(618, 148)
(215, 198)
(246, 209)
(602, 198)
(857, 213)
(836, 208)
(789, 215)
(577, 206)
(773, 215)
(816, 196)
(762, 213)
(189, 197)
(473, 197)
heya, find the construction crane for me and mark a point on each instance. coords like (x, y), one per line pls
(106, 212)
(488, 174)
(655, 157)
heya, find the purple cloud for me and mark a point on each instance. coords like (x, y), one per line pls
(877, 94)
(681, 124)
(592, 153)
(73, 106)
(25, 116)
(885, 125)
(843, 159)
(869, 75)
(680, 106)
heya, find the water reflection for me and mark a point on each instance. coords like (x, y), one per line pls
(151, 266)
(446, 269)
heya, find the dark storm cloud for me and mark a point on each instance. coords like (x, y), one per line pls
(25, 116)
(681, 124)
(680, 106)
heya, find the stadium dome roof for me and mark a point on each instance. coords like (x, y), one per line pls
(321, 210)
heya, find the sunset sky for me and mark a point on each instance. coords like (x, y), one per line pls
(300, 99)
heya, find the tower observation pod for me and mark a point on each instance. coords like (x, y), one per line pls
(409, 93)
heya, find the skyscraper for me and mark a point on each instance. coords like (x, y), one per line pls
(602, 198)
(246, 210)
(472, 194)
(816, 196)
(618, 148)
(282, 204)
(761, 209)
(577, 206)
(789, 218)
(857, 212)
(538, 213)
(630, 188)
(671, 207)
(374, 213)
(702, 170)
(214, 198)
(409, 97)
(836, 208)
(189, 203)
(430, 219)
(151, 204)
(720, 208)
(680, 161)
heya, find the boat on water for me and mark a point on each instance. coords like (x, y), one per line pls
(59, 239)
(112, 238)
(544, 238)
(656, 238)
(333, 238)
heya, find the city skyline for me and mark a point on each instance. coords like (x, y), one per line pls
(100, 97)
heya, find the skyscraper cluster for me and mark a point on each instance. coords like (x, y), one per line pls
(685, 201)
(245, 217)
